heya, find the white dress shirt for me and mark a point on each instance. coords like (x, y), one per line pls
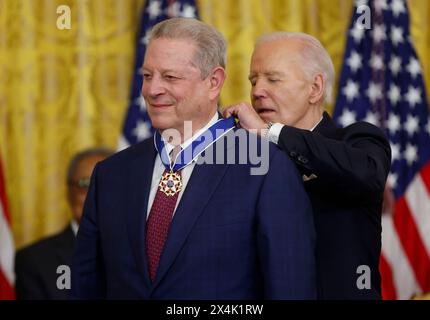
(276, 128)
(74, 225)
(185, 173)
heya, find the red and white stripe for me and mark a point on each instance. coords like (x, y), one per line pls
(7, 276)
(405, 261)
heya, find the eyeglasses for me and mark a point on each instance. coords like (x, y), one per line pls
(82, 183)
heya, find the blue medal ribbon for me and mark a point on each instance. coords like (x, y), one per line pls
(200, 144)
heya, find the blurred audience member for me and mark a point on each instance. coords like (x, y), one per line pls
(36, 265)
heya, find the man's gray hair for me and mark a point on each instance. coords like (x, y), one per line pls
(77, 158)
(210, 43)
(314, 56)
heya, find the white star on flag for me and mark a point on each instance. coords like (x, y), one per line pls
(374, 92)
(428, 126)
(397, 35)
(411, 154)
(395, 65)
(411, 125)
(379, 33)
(376, 62)
(371, 118)
(357, 33)
(348, 117)
(141, 103)
(395, 152)
(174, 10)
(413, 97)
(393, 123)
(414, 67)
(354, 61)
(380, 5)
(351, 90)
(398, 7)
(394, 94)
(142, 130)
(154, 9)
(392, 179)
(145, 39)
(189, 12)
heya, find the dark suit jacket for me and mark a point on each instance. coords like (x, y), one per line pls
(36, 267)
(351, 166)
(233, 235)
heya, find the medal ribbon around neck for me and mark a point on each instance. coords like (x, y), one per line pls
(188, 154)
(171, 182)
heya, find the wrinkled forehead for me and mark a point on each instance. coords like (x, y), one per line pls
(167, 51)
(289, 48)
(277, 56)
(173, 46)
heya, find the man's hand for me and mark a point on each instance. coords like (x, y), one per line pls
(247, 116)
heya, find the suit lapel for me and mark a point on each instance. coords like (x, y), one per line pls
(202, 184)
(140, 175)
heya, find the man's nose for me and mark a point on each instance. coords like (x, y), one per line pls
(152, 87)
(258, 90)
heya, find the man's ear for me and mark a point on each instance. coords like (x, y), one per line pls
(216, 80)
(317, 89)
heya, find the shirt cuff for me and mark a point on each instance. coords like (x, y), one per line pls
(274, 132)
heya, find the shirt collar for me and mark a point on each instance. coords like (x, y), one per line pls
(74, 225)
(317, 124)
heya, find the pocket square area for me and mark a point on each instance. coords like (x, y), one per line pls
(307, 178)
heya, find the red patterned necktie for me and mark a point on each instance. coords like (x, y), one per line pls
(157, 227)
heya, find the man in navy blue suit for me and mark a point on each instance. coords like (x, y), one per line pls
(183, 215)
(344, 170)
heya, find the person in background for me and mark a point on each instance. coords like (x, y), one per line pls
(36, 265)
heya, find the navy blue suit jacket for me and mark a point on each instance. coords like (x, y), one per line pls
(351, 166)
(233, 235)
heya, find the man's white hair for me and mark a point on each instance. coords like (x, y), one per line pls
(210, 43)
(315, 57)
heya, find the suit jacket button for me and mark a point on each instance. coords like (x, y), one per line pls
(302, 159)
(293, 154)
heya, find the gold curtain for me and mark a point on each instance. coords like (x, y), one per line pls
(65, 90)
(60, 91)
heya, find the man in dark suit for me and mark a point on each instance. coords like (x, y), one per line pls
(36, 265)
(344, 170)
(174, 224)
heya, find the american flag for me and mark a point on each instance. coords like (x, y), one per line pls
(382, 83)
(7, 275)
(137, 125)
